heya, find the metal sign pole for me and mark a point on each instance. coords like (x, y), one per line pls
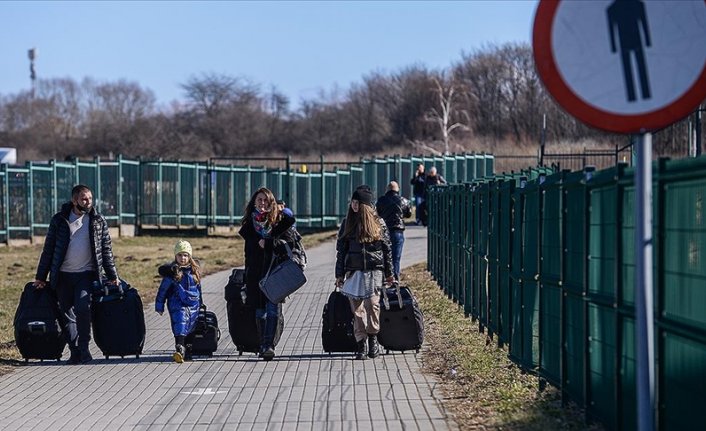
(644, 348)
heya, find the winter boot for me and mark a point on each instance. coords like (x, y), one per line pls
(373, 347)
(179, 354)
(75, 357)
(86, 357)
(360, 353)
(268, 353)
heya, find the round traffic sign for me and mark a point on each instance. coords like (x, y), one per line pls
(623, 65)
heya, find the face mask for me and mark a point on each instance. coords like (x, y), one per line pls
(82, 209)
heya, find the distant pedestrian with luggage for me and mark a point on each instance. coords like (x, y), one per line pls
(266, 231)
(419, 192)
(394, 208)
(77, 252)
(181, 290)
(363, 260)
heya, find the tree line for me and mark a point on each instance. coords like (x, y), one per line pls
(491, 99)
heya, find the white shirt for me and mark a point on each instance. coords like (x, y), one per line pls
(79, 256)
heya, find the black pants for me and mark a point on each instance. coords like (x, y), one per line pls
(74, 294)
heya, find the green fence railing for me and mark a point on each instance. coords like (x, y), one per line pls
(546, 266)
(154, 194)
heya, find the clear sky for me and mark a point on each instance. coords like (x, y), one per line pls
(299, 47)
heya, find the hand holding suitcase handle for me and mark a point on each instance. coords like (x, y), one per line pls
(386, 300)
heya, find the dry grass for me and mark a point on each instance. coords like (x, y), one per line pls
(482, 388)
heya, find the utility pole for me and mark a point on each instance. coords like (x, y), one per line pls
(32, 54)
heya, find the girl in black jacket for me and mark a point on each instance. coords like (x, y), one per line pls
(265, 230)
(363, 258)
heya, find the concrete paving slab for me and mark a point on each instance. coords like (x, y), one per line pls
(303, 388)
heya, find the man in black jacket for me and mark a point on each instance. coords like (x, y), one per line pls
(77, 247)
(419, 191)
(393, 208)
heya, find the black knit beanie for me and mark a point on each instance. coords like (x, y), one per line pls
(363, 195)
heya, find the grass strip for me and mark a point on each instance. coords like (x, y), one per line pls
(481, 387)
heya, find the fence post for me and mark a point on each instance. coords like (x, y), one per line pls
(30, 199)
(543, 139)
(119, 197)
(6, 202)
(138, 195)
(288, 180)
(323, 189)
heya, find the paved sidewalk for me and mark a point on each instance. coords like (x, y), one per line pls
(303, 388)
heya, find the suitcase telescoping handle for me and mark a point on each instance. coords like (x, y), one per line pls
(37, 327)
(386, 299)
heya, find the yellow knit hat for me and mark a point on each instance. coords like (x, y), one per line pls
(182, 247)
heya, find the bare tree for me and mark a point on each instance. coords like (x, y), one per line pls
(448, 110)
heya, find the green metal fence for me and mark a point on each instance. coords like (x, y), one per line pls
(549, 270)
(154, 194)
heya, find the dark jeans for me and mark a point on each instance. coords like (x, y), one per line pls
(74, 294)
(418, 201)
(267, 319)
(397, 241)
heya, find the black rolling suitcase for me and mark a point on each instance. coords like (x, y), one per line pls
(401, 320)
(204, 339)
(38, 333)
(118, 319)
(337, 329)
(242, 323)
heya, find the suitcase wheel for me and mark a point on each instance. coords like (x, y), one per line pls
(387, 351)
(240, 353)
(107, 357)
(137, 356)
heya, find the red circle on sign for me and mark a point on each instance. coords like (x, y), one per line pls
(565, 96)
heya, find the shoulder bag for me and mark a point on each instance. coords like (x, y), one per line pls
(282, 280)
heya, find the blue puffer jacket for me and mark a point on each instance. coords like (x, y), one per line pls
(183, 299)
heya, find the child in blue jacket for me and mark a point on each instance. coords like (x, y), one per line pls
(181, 289)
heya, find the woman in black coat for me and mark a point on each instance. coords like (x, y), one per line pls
(265, 230)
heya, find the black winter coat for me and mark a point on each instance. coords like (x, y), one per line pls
(419, 185)
(393, 208)
(352, 255)
(57, 242)
(257, 260)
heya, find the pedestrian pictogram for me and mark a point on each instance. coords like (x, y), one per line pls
(627, 22)
(623, 65)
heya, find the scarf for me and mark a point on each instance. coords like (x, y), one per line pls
(260, 223)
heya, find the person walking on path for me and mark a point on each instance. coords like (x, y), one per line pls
(419, 192)
(266, 230)
(394, 208)
(77, 252)
(363, 258)
(181, 290)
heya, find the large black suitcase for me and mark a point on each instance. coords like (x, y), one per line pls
(38, 333)
(204, 338)
(401, 320)
(337, 324)
(118, 319)
(242, 324)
